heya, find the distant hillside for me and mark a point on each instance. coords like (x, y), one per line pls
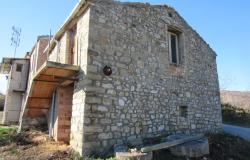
(1, 101)
(236, 98)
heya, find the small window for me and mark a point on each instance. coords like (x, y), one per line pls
(170, 15)
(19, 67)
(183, 111)
(173, 48)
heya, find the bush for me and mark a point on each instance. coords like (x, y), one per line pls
(235, 115)
(2, 97)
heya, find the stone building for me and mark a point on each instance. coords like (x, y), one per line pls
(118, 72)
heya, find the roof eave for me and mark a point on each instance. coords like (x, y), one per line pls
(62, 29)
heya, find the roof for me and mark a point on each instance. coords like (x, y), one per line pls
(80, 4)
(83, 4)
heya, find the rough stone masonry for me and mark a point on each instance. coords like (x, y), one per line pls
(147, 94)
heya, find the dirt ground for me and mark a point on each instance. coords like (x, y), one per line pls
(32, 145)
(35, 144)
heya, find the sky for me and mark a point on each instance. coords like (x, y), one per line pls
(224, 24)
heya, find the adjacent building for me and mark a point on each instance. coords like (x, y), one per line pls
(17, 70)
(117, 72)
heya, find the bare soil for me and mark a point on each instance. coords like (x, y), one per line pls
(33, 145)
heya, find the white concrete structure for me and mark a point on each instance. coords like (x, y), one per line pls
(17, 71)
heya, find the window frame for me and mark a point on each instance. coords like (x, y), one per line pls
(19, 67)
(170, 47)
(183, 111)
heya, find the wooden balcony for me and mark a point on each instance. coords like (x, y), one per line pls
(50, 76)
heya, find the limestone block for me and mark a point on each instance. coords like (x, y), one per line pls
(121, 102)
(191, 149)
(105, 135)
(134, 141)
(133, 156)
(93, 100)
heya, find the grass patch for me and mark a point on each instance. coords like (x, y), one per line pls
(4, 130)
(234, 115)
(14, 151)
(6, 135)
(225, 146)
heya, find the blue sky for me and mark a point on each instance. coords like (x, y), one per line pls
(224, 24)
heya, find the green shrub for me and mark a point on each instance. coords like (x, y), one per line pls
(235, 115)
(2, 97)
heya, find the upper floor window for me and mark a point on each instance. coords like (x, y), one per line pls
(174, 47)
(19, 67)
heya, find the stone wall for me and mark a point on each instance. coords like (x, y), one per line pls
(142, 97)
(79, 106)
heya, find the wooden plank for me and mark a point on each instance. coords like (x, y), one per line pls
(170, 143)
(43, 89)
(38, 108)
(59, 72)
(46, 78)
(51, 64)
(39, 103)
(46, 81)
(32, 113)
(56, 67)
(40, 98)
(66, 83)
(66, 78)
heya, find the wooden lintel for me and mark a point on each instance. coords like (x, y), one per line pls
(170, 143)
(60, 77)
(37, 108)
(40, 97)
(37, 80)
(57, 65)
(65, 78)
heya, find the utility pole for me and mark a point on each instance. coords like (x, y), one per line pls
(15, 38)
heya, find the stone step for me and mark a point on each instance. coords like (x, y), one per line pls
(170, 143)
(196, 148)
